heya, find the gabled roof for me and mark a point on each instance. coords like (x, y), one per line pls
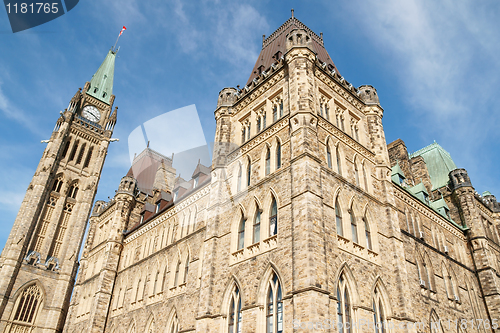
(200, 168)
(144, 168)
(101, 84)
(277, 42)
(439, 164)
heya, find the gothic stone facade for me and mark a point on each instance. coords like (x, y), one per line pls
(305, 218)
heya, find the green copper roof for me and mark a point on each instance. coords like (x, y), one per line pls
(101, 84)
(485, 193)
(439, 164)
(396, 172)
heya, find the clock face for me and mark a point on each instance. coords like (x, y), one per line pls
(91, 113)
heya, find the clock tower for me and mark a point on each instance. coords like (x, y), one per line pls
(39, 262)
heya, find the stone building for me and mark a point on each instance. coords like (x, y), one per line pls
(306, 220)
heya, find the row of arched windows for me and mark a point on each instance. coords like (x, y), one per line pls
(272, 162)
(360, 180)
(81, 153)
(272, 226)
(357, 232)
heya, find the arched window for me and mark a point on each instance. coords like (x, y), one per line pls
(328, 155)
(80, 155)
(268, 162)
(435, 324)
(344, 309)
(239, 179)
(73, 151)
(234, 317)
(338, 219)
(241, 232)
(186, 270)
(354, 226)
(256, 227)
(249, 172)
(176, 275)
(273, 219)
(89, 156)
(278, 155)
(65, 150)
(174, 325)
(339, 164)
(356, 172)
(28, 305)
(368, 236)
(274, 306)
(379, 319)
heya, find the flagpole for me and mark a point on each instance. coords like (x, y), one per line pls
(121, 31)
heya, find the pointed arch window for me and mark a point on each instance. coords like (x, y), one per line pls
(273, 219)
(256, 227)
(379, 319)
(186, 270)
(28, 305)
(73, 151)
(241, 232)
(278, 155)
(344, 308)
(274, 306)
(368, 236)
(354, 226)
(356, 172)
(249, 172)
(80, 155)
(338, 219)
(65, 150)
(234, 318)
(339, 164)
(88, 158)
(174, 325)
(176, 275)
(328, 155)
(268, 162)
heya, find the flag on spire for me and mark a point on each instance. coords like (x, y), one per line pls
(121, 31)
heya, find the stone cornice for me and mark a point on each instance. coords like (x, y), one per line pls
(167, 214)
(428, 212)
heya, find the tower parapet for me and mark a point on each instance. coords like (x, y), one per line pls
(368, 94)
(298, 38)
(459, 178)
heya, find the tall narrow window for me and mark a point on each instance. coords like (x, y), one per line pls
(273, 219)
(338, 218)
(356, 172)
(368, 236)
(268, 161)
(344, 309)
(28, 305)
(249, 172)
(278, 155)
(243, 135)
(274, 306)
(342, 123)
(174, 325)
(239, 179)
(264, 120)
(281, 108)
(275, 113)
(241, 232)
(89, 156)
(328, 155)
(364, 177)
(186, 270)
(339, 164)
(80, 155)
(378, 313)
(321, 110)
(327, 112)
(256, 227)
(248, 131)
(258, 124)
(176, 276)
(73, 151)
(65, 150)
(354, 226)
(235, 316)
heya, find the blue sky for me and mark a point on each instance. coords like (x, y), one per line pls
(434, 64)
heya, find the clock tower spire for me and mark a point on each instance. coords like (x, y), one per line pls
(39, 262)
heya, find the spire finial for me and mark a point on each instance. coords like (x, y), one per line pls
(292, 12)
(148, 143)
